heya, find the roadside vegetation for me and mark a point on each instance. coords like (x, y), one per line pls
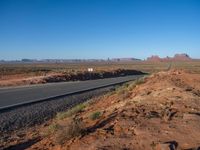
(95, 115)
(72, 126)
(52, 128)
(125, 90)
(78, 108)
(71, 129)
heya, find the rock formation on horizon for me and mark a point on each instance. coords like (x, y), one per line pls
(177, 57)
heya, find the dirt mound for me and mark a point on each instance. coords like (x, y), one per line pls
(160, 112)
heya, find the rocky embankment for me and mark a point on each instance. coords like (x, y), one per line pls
(16, 121)
(91, 75)
(69, 76)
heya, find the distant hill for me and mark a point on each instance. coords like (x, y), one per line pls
(25, 60)
(125, 59)
(177, 57)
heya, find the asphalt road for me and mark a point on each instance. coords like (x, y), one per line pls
(14, 96)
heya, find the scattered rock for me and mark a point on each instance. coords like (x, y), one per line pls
(172, 145)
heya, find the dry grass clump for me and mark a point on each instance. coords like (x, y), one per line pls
(136, 82)
(78, 108)
(124, 91)
(52, 128)
(95, 115)
(140, 81)
(72, 129)
(124, 94)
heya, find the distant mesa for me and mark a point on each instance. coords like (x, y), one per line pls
(124, 59)
(153, 58)
(182, 57)
(177, 57)
(25, 60)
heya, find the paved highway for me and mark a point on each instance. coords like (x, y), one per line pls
(14, 96)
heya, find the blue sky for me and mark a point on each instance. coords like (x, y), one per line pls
(98, 28)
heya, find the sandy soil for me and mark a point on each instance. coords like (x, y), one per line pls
(163, 113)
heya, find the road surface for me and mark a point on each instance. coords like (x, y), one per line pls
(14, 96)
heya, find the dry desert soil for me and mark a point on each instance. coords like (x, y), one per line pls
(26, 74)
(158, 112)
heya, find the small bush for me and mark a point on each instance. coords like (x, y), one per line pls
(50, 130)
(123, 93)
(135, 83)
(131, 86)
(71, 130)
(72, 111)
(140, 81)
(95, 115)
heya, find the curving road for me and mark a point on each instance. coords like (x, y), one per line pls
(14, 96)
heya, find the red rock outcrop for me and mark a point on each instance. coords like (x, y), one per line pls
(177, 57)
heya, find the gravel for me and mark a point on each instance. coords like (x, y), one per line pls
(27, 116)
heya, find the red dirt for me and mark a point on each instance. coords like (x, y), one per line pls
(161, 113)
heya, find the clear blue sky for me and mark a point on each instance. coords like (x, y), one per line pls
(98, 28)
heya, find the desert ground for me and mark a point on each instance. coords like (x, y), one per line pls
(158, 112)
(36, 73)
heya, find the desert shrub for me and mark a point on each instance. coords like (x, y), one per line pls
(140, 81)
(131, 86)
(72, 129)
(135, 83)
(72, 111)
(53, 127)
(95, 115)
(123, 93)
